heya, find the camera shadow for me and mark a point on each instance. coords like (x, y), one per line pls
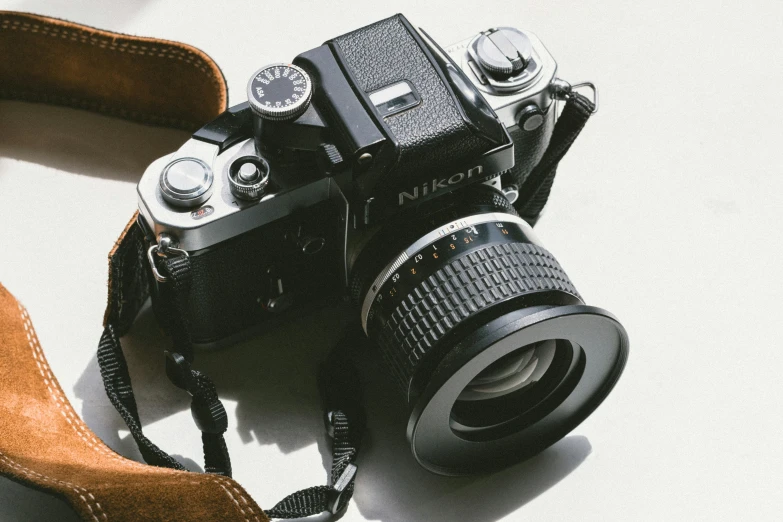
(272, 379)
(391, 486)
(24, 503)
(55, 136)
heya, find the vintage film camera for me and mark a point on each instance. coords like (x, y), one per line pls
(381, 166)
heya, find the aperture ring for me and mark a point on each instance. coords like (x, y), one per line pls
(432, 236)
(463, 288)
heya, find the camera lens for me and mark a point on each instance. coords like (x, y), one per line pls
(512, 372)
(485, 334)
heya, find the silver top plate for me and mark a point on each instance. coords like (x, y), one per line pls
(223, 215)
(506, 105)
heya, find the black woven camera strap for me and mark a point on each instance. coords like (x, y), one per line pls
(338, 379)
(534, 193)
(208, 411)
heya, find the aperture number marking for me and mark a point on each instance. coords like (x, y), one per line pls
(423, 263)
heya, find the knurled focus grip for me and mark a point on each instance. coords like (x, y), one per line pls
(465, 287)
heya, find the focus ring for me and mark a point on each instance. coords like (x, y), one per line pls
(481, 199)
(465, 287)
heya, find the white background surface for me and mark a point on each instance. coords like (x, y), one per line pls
(666, 212)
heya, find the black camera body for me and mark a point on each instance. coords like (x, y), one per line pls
(381, 166)
(341, 167)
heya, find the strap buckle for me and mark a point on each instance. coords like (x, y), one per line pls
(208, 412)
(178, 371)
(162, 249)
(562, 90)
(339, 488)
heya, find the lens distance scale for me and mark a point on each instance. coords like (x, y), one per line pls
(279, 92)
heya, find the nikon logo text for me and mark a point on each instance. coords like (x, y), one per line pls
(436, 184)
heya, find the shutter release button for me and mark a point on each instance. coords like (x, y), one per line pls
(248, 177)
(248, 172)
(186, 182)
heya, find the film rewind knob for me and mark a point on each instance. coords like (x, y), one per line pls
(504, 51)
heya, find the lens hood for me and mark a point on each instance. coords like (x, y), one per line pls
(598, 351)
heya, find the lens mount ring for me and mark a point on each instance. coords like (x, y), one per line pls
(595, 332)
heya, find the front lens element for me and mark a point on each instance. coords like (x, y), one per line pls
(512, 372)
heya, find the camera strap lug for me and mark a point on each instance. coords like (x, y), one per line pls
(163, 249)
(562, 90)
(534, 191)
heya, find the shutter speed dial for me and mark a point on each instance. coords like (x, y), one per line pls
(279, 92)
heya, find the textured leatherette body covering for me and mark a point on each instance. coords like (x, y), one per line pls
(432, 137)
(232, 281)
(529, 147)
